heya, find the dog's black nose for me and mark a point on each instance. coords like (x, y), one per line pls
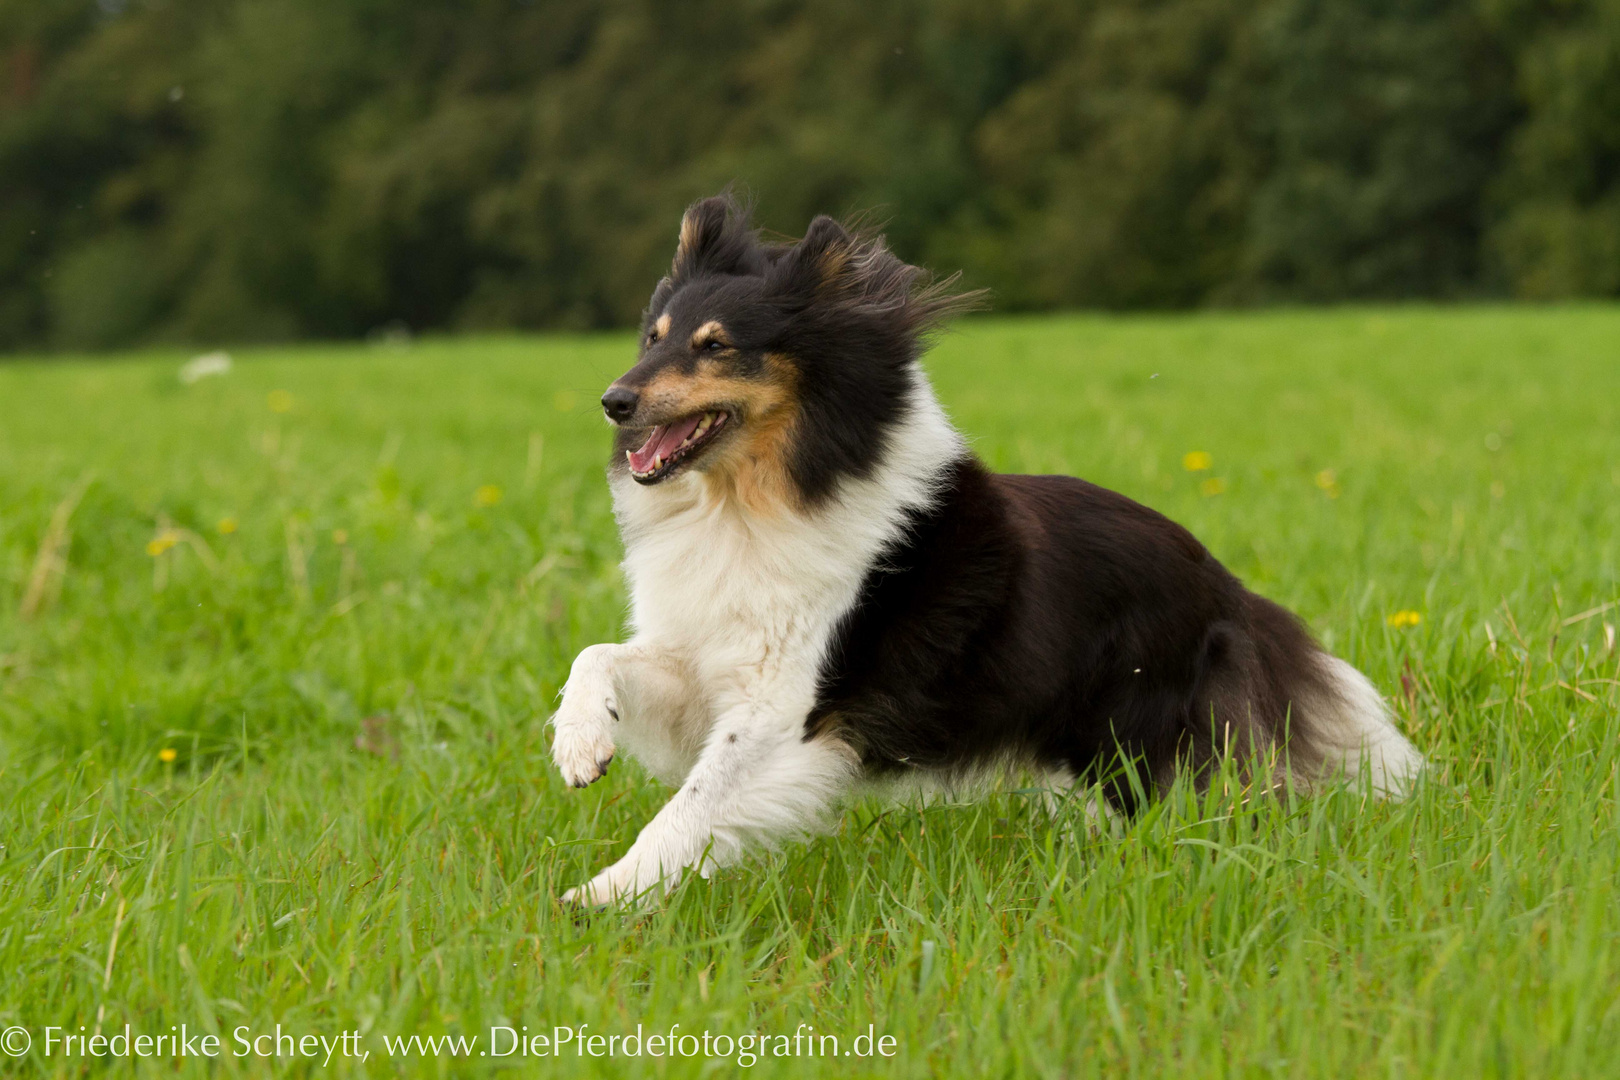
(619, 403)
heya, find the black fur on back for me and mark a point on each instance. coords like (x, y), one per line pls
(1050, 622)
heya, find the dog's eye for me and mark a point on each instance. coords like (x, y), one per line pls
(652, 337)
(714, 346)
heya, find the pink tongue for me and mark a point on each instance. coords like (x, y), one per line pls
(663, 442)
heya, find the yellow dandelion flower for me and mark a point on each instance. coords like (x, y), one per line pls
(1213, 486)
(340, 536)
(564, 400)
(162, 542)
(279, 401)
(167, 755)
(227, 526)
(1328, 481)
(1197, 461)
(1403, 619)
(487, 495)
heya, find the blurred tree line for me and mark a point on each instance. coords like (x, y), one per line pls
(260, 169)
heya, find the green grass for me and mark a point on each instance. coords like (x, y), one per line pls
(362, 830)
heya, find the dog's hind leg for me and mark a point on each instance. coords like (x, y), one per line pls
(757, 782)
(626, 691)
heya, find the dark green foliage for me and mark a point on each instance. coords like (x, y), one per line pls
(212, 169)
(1558, 227)
(1381, 123)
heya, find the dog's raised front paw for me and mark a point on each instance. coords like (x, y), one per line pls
(581, 756)
(583, 745)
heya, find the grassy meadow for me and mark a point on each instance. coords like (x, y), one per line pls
(277, 649)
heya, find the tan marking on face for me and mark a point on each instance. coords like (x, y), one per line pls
(750, 464)
(753, 469)
(670, 395)
(758, 475)
(661, 327)
(710, 331)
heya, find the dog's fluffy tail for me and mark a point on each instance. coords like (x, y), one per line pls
(1353, 734)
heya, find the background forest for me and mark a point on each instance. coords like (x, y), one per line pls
(202, 170)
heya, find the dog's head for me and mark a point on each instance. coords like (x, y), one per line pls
(787, 363)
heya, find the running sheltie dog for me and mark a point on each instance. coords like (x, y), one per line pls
(829, 589)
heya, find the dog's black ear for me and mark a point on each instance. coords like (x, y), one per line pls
(855, 273)
(715, 239)
(820, 263)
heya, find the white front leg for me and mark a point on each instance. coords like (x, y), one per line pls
(756, 782)
(630, 689)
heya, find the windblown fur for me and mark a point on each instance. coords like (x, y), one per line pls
(828, 588)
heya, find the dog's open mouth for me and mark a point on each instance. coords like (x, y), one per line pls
(671, 445)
